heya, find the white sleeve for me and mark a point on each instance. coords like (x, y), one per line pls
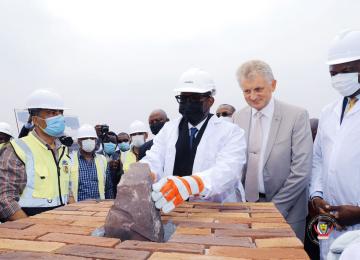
(227, 170)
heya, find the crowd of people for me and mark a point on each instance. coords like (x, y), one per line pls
(263, 152)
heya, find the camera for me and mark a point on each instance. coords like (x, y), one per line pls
(104, 129)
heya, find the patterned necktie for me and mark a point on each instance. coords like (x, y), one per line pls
(254, 150)
(352, 102)
(193, 131)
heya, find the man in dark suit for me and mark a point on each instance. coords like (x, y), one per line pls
(157, 120)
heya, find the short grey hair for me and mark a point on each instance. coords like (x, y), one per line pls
(251, 68)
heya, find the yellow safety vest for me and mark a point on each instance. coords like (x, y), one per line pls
(101, 164)
(128, 158)
(42, 186)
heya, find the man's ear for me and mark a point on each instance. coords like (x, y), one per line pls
(273, 85)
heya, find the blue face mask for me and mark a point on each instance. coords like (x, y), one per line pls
(125, 146)
(55, 125)
(109, 148)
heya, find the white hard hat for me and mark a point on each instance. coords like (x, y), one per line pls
(345, 48)
(6, 128)
(137, 127)
(196, 81)
(42, 98)
(86, 131)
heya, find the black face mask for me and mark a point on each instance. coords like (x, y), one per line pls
(156, 127)
(193, 111)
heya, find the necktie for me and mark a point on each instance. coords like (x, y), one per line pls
(193, 131)
(352, 102)
(252, 170)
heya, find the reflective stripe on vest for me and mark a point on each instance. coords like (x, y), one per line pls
(101, 164)
(41, 188)
(127, 159)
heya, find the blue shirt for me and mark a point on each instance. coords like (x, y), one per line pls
(88, 180)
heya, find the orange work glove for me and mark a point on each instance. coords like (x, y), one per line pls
(171, 191)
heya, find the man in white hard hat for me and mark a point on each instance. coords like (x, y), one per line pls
(197, 156)
(88, 169)
(334, 185)
(138, 135)
(5, 133)
(35, 170)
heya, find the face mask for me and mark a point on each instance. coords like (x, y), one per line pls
(88, 145)
(137, 140)
(346, 83)
(109, 148)
(55, 125)
(125, 146)
(156, 127)
(226, 118)
(193, 112)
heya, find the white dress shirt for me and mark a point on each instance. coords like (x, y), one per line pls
(198, 126)
(267, 112)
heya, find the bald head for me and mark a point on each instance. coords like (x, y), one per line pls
(157, 119)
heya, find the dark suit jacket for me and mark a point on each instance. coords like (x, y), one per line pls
(145, 147)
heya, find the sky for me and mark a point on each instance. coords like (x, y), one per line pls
(115, 61)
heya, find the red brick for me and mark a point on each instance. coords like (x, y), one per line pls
(25, 245)
(249, 220)
(37, 256)
(270, 225)
(60, 229)
(258, 253)
(101, 214)
(70, 212)
(20, 234)
(69, 217)
(68, 207)
(213, 226)
(45, 221)
(163, 247)
(82, 223)
(192, 231)
(15, 225)
(255, 233)
(293, 242)
(267, 215)
(79, 239)
(179, 256)
(94, 208)
(211, 240)
(187, 219)
(103, 253)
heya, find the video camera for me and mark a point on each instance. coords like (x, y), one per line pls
(104, 130)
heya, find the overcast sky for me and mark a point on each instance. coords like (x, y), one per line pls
(115, 61)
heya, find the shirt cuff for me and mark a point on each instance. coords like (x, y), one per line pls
(316, 194)
(9, 209)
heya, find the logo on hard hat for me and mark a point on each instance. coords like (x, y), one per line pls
(320, 228)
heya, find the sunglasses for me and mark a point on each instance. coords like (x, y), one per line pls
(192, 99)
(224, 114)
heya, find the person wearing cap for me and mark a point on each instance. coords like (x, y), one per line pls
(157, 120)
(196, 156)
(138, 135)
(225, 111)
(88, 169)
(35, 170)
(5, 133)
(279, 146)
(335, 174)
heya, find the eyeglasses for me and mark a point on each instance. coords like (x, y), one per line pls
(225, 114)
(123, 141)
(192, 98)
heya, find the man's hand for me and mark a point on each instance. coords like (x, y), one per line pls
(319, 206)
(345, 215)
(171, 191)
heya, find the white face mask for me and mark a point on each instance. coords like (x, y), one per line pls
(346, 83)
(88, 145)
(226, 118)
(137, 140)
